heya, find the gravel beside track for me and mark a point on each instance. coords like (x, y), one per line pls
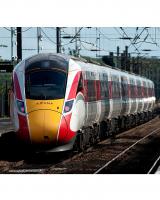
(136, 161)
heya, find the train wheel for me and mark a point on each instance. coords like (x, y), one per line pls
(79, 142)
(103, 130)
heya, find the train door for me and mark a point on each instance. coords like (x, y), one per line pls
(139, 95)
(136, 95)
(132, 95)
(85, 77)
(104, 87)
(125, 96)
(148, 95)
(145, 97)
(91, 106)
(98, 98)
(116, 95)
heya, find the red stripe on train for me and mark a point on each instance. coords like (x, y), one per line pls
(73, 90)
(65, 133)
(17, 87)
(23, 132)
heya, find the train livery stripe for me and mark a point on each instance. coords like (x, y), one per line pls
(17, 87)
(23, 128)
(65, 133)
(74, 86)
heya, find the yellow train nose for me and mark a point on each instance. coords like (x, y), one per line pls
(43, 125)
(44, 118)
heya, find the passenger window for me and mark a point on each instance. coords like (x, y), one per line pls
(80, 84)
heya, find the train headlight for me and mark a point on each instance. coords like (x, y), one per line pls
(21, 107)
(68, 106)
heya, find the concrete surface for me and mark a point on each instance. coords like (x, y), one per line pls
(5, 125)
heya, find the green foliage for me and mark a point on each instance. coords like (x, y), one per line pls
(5, 78)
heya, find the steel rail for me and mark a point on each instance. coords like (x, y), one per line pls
(124, 151)
(154, 166)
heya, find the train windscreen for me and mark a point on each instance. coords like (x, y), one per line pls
(45, 84)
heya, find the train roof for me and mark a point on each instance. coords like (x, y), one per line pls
(63, 60)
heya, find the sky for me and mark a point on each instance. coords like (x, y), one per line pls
(143, 41)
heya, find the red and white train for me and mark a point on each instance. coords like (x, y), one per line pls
(58, 101)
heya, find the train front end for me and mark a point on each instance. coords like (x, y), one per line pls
(41, 110)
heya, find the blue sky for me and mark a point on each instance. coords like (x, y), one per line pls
(149, 38)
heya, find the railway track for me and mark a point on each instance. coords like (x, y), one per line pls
(124, 154)
(155, 166)
(109, 156)
(41, 162)
(104, 167)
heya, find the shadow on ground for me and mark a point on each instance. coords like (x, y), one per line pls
(13, 150)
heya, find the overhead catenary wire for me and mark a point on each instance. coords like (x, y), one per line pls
(139, 37)
(116, 29)
(143, 40)
(76, 34)
(93, 45)
(22, 30)
(103, 34)
(7, 29)
(154, 42)
(130, 39)
(47, 36)
(27, 29)
(146, 39)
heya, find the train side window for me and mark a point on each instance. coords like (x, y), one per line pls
(153, 92)
(118, 88)
(113, 89)
(133, 91)
(106, 89)
(149, 90)
(91, 90)
(114, 86)
(124, 88)
(132, 88)
(80, 84)
(139, 89)
(102, 89)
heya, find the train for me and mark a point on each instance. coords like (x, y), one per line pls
(60, 102)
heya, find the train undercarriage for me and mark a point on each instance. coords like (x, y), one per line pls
(89, 136)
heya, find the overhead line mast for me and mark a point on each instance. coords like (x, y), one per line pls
(11, 44)
(77, 42)
(19, 44)
(38, 39)
(58, 36)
